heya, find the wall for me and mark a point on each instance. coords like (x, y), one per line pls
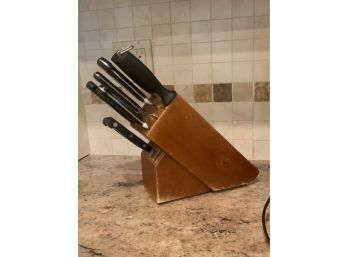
(215, 53)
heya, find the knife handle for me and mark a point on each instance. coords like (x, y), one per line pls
(120, 78)
(116, 91)
(141, 75)
(112, 123)
(96, 90)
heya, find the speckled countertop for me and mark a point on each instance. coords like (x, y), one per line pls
(117, 217)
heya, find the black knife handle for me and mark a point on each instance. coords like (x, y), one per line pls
(112, 123)
(116, 91)
(120, 78)
(141, 75)
(96, 90)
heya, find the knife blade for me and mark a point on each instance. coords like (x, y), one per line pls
(113, 124)
(140, 74)
(115, 104)
(117, 92)
(123, 80)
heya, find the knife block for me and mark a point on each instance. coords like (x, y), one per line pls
(185, 136)
(166, 180)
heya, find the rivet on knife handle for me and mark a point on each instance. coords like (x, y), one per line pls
(141, 75)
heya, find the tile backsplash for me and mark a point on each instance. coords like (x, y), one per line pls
(214, 53)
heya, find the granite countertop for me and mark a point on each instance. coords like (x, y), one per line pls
(117, 217)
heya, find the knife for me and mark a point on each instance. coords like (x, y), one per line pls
(141, 75)
(123, 80)
(112, 123)
(117, 92)
(103, 93)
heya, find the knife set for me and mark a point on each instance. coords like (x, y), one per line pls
(185, 155)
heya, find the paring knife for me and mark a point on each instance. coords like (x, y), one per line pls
(124, 81)
(112, 123)
(103, 93)
(141, 75)
(117, 92)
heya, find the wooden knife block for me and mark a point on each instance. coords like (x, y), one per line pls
(192, 157)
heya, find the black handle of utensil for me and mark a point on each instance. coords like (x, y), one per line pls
(120, 78)
(96, 90)
(112, 123)
(141, 75)
(118, 92)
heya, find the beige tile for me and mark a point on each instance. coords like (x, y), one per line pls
(119, 146)
(106, 38)
(242, 8)
(221, 9)
(162, 55)
(143, 32)
(181, 33)
(201, 73)
(182, 74)
(201, 53)
(242, 92)
(160, 13)
(180, 11)
(140, 2)
(261, 27)
(243, 28)
(261, 150)
(200, 10)
(202, 93)
(221, 30)
(186, 91)
(261, 70)
(222, 51)
(182, 54)
(141, 15)
(123, 17)
(222, 112)
(100, 146)
(261, 130)
(106, 19)
(224, 128)
(242, 111)
(201, 31)
(87, 5)
(206, 110)
(242, 71)
(261, 7)
(97, 112)
(242, 50)
(85, 96)
(122, 3)
(161, 35)
(92, 55)
(261, 49)
(88, 20)
(98, 130)
(242, 130)
(222, 72)
(91, 39)
(164, 73)
(125, 34)
(105, 4)
(245, 147)
(261, 111)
